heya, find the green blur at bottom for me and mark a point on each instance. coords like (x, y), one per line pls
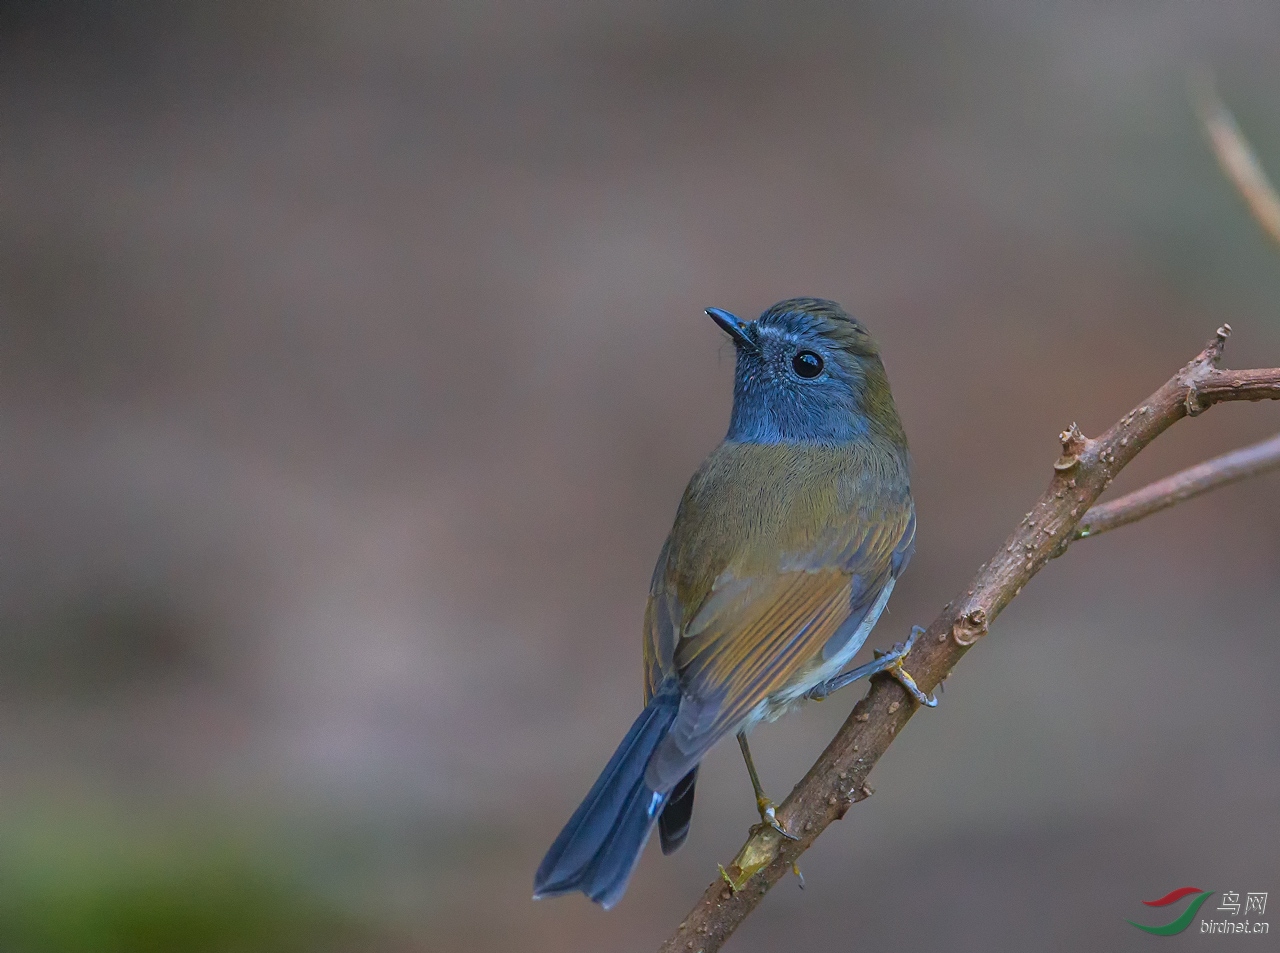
(84, 885)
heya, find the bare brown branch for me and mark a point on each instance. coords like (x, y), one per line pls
(839, 777)
(1237, 158)
(1231, 467)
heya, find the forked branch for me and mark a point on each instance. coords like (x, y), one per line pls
(1083, 471)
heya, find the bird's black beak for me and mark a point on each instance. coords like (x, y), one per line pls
(734, 327)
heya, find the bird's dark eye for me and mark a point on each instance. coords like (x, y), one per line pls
(807, 364)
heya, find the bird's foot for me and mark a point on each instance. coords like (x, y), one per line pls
(895, 669)
(769, 817)
(889, 662)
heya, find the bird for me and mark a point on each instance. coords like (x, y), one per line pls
(785, 549)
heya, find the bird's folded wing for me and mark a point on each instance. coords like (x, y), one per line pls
(749, 641)
(752, 637)
(752, 627)
(757, 638)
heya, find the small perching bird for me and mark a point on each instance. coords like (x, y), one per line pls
(785, 549)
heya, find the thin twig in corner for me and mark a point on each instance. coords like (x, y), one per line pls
(1232, 467)
(1236, 157)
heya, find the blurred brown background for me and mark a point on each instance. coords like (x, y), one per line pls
(352, 364)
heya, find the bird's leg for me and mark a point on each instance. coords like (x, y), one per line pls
(763, 804)
(890, 662)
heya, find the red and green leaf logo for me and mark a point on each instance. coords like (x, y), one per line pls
(1184, 921)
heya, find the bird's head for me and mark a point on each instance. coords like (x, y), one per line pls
(807, 372)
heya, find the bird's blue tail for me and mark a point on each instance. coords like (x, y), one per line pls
(600, 846)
